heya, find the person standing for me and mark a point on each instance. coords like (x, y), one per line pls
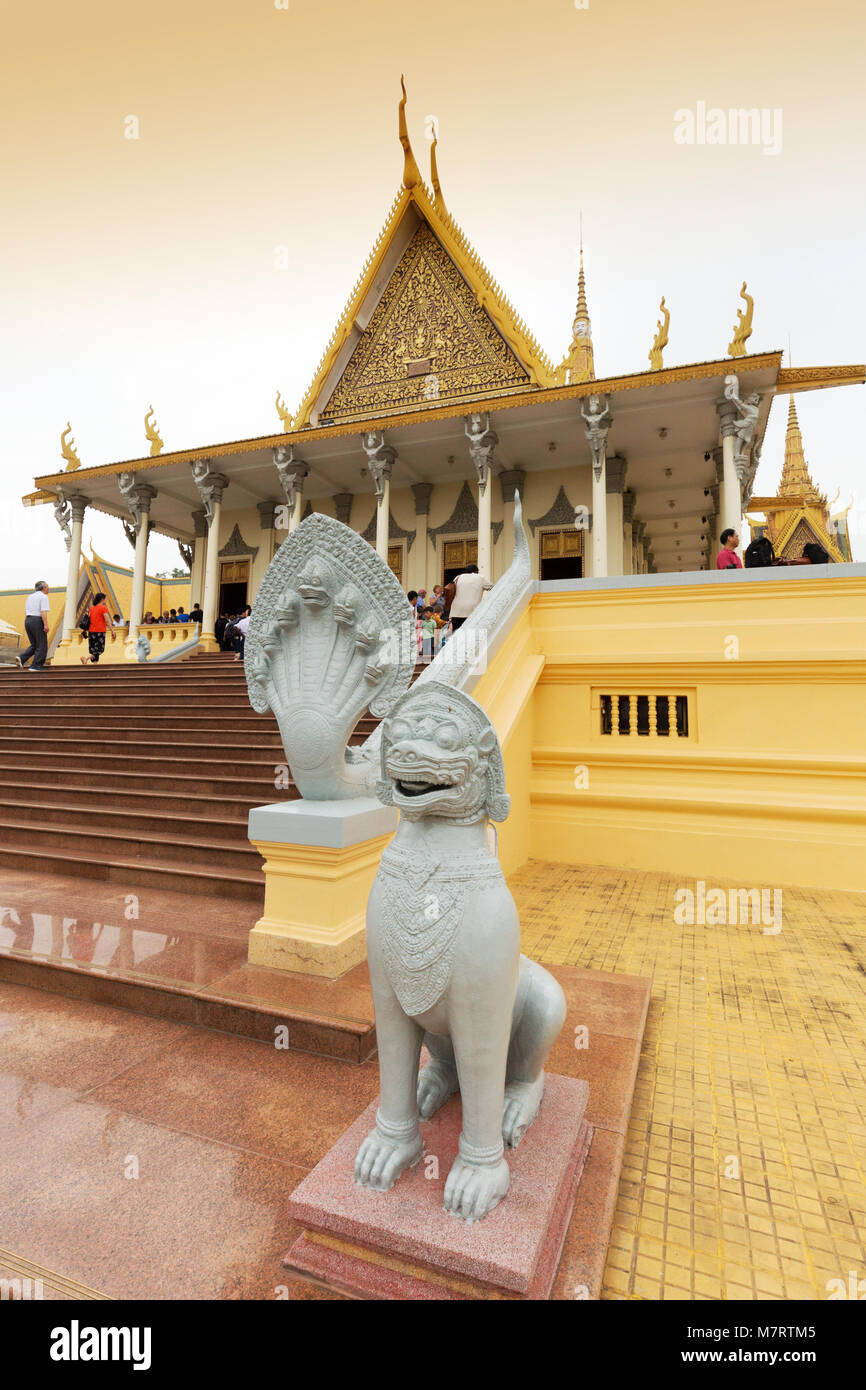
(100, 623)
(36, 626)
(241, 626)
(469, 589)
(727, 558)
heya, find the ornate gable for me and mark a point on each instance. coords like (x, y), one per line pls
(427, 340)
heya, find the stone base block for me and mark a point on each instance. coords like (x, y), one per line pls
(402, 1244)
(320, 859)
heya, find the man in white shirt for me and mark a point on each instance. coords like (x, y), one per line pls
(241, 627)
(36, 626)
(469, 589)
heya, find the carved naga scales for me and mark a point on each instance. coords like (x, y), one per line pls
(331, 636)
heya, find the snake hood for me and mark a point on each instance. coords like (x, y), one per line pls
(440, 756)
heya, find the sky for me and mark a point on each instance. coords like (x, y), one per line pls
(202, 265)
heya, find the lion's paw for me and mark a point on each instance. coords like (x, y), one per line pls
(519, 1109)
(472, 1191)
(435, 1084)
(380, 1161)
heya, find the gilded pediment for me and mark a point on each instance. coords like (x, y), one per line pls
(428, 340)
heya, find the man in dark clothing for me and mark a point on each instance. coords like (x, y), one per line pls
(36, 626)
(196, 616)
(219, 628)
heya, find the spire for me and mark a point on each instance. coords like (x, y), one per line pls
(438, 200)
(582, 311)
(411, 172)
(579, 364)
(795, 471)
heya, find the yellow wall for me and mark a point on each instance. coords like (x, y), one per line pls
(770, 785)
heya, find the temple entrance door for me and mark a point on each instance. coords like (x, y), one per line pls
(456, 555)
(234, 579)
(395, 561)
(561, 554)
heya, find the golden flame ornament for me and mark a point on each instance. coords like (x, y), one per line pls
(152, 432)
(67, 449)
(743, 326)
(660, 341)
(284, 414)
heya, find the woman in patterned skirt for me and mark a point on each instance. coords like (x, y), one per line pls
(100, 622)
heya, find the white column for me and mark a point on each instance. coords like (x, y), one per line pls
(196, 574)
(597, 423)
(615, 471)
(211, 571)
(482, 444)
(380, 461)
(383, 514)
(210, 488)
(417, 562)
(730, 510)
(77, 505)
(138, 498)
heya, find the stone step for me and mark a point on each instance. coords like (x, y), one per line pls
(264, 749)
(111, 845)
(62, 757)
(152, 818)
(141, 871)
(81, 776)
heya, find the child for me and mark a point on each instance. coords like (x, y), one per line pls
(428, 633)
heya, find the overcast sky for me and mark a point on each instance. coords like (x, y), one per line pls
(144, 271)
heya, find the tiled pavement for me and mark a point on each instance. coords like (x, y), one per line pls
(745, 1167)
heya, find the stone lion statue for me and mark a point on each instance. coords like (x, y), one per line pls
(443, 944)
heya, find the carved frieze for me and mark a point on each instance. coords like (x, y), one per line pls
(428, 326)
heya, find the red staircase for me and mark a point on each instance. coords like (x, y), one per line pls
(139, 775)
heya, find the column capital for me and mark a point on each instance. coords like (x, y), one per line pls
(199, 521)
(78, 504)
(512, 480)
(727, 413)
(616, 468)
(421, 493)
(210, 485)
(137, 496)
(266, 511)
(628, 505)
(291, 471)
(343, 506)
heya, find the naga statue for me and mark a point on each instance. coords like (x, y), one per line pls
(443, 946)
(332, 635)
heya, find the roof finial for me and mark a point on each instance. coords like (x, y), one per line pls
(438, 199)
(411, 173)
(660, 341)
(743, 326)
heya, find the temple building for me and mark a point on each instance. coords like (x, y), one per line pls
(432, 407)
(800, 513)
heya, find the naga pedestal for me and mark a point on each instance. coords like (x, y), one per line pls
(403, 1244)
(320, 858)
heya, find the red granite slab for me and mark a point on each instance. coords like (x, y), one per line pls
(515, 1250)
